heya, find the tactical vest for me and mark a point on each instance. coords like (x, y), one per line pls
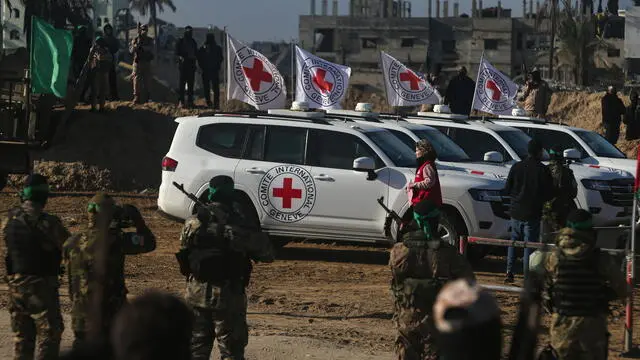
(578, 289)
(211, 260)
(29, 250)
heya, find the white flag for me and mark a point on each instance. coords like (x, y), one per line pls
(320, 83)
(495, 92)
(252, 78)
(404, 86)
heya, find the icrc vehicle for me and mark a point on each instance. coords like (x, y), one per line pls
(302, 174)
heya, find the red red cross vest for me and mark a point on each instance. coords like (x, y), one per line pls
(434, 193)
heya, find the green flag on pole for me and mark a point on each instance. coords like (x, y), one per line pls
(50, 58)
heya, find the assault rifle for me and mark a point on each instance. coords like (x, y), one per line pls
(392, 216)
(193, 198)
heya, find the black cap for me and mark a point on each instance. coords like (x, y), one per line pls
(108, 26)
(579, 216)
(221, 181)
(534, 147)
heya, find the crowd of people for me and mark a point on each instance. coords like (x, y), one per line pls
(94, 62)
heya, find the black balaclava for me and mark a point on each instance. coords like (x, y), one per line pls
(556, 153)
(221, 189)
(466, 314)
(36, 190)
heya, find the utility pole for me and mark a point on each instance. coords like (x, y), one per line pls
(554, 7)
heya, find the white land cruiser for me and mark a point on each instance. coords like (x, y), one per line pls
(592, 148)
(308, 176)
(610, 205)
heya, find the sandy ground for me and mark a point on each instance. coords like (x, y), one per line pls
(324, 301)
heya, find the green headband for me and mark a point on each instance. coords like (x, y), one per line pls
(421, 220)
(551, 152)
(93, 208)
(582, 225)
(29, 191)
(225, 188)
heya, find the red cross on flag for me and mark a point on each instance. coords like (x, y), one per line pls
(320, 83)
(405, 87)
(495, 92)
(252, 78)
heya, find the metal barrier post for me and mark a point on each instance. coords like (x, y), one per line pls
(629, 351)
(462, 244)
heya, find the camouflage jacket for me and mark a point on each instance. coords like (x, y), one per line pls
(537, 97)
(579, 244)
(413, 263)
(79, 258)
(47, 223)
(255, 245)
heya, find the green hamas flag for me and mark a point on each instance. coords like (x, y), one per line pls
(50, 58)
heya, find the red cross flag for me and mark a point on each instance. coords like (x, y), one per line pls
(404, 86)
(252, 78)
(320, 83)
(495, 92)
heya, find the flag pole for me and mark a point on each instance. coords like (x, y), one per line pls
(292, 72)
(226, 75)
(476, 87)
(384, 78)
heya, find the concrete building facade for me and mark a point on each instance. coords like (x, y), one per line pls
(13, 36)
(445, 38)
(104, 11)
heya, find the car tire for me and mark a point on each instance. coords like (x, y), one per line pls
(452, 227)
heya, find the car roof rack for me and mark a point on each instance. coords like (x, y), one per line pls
(522, 119)
(348, 115)
(463, 119)
(315, 117)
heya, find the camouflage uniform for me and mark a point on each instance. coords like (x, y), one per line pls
(34, 303)
(418, 272)
(142, 49)
(554, 212)
(80, 255)
(579, 282)
(220, 302)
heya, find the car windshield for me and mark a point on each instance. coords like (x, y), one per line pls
(518, 140)
(446, 149)
(599, 145)
(401, 154)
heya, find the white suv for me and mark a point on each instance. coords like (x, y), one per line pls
(309, 176)
(610, 206)
(592, 148)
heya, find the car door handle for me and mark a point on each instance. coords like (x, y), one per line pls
(323, 177)
(254, 171)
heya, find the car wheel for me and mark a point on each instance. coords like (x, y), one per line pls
(450, 229)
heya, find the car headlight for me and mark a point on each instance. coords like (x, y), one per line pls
(485, 195)
(597, 185)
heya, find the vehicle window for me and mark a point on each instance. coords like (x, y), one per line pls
(446, 148)
(599, 145)
(285, 144)
(222, 139)
(401, 154)
(255, 143)
(406, 139)
(477, 143)
(548, 138)
(518, 140)
(337, 150)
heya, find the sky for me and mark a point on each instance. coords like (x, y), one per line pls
(275, 20)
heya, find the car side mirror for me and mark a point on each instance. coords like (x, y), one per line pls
(571, 154)
(493, 157)
(365, 164)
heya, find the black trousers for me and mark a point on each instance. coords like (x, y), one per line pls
(211, 82)
(612, 132)
(187, 77)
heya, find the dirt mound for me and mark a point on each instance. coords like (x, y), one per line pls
(583, 110)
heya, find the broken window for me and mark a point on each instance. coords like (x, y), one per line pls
(369, 43)
(16, 13)
(407, 42)
(323, 40)
(449, 46)
(490, 44)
